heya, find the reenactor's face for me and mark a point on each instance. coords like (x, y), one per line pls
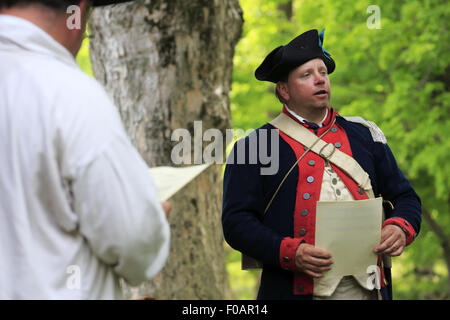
(308, 85)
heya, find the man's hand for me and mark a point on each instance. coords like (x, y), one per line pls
(393, 241)
(166, 207)
(312, 261)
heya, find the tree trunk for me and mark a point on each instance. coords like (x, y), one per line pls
(167, 64)
(287, 8)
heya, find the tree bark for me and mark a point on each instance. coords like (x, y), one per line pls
(167, 64)
(287, 8)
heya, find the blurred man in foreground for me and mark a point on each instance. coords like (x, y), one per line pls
(78, 207)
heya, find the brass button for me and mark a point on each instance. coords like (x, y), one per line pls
(304, 212)
(360, 191)
(310, 179)
(311, 162)
(337, 144)
(334, 129)
(302, 232)
(306, 196)
(286, 259)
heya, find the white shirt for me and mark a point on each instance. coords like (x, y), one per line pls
(301, 119)
(78, 207)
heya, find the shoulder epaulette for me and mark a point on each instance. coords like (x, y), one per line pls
(375, 131)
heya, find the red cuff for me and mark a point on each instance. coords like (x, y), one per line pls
(288, 248)
(404, 225)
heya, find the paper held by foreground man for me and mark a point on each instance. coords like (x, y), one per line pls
(349, 230)
(169, 180)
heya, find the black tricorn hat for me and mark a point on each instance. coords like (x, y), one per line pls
(283, 59)
(99, 3)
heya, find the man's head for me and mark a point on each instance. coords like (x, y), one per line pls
(306, 87)
(56, 17)
(56, 4)
(300, 69)
(52, 16)
(53, 4)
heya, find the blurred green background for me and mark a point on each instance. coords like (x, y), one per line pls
(396, 74)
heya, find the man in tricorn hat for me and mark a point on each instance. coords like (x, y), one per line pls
(78, 208)
(322, 157)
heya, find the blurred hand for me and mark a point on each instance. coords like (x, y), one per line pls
(166, 207)
(312, 261)
(393, 241)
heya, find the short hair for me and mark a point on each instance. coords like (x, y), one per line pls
(53, 4)
(284, 78)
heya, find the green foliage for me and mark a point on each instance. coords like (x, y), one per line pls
(83, 59)
(244, 284)
(396, 76)
(265, 27)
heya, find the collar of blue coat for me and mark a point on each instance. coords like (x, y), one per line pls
(326, 123)
(301, 119)
(17, 34)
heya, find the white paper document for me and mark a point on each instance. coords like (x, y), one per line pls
(169, 180)
(349, 230)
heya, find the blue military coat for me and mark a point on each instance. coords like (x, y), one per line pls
(246, 192)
